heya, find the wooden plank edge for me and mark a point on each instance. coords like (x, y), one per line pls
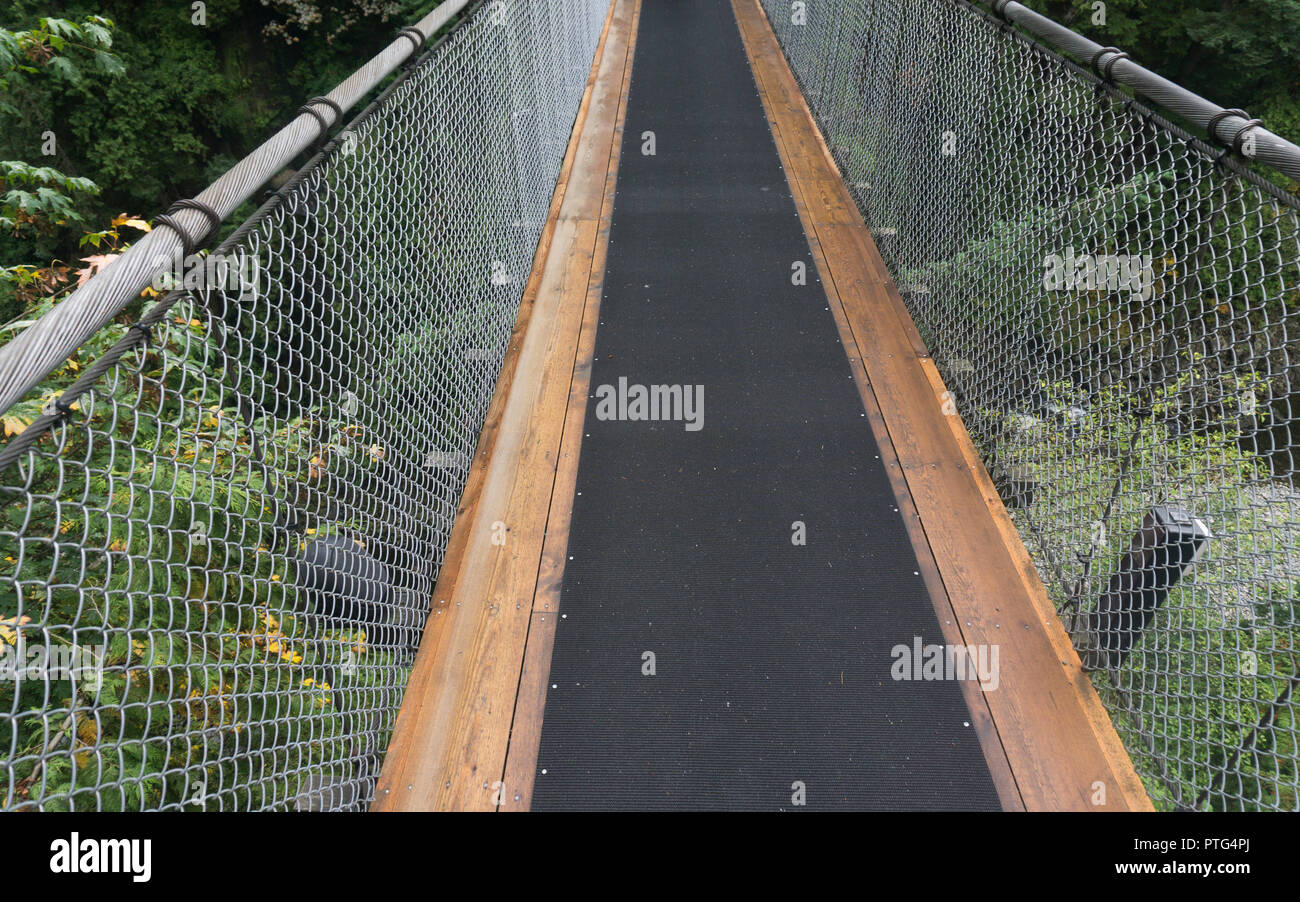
(982, 722)
(465, 740)
(1129, 783)
(467, 511)
(525, 736)
(1108, 742)
(470, 736)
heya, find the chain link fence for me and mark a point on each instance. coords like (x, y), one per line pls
(1113, 303)
(216, 564)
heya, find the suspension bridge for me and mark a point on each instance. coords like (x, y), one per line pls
(726, 404)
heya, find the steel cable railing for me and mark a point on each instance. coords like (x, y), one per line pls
(1113, 303)
(219, 548)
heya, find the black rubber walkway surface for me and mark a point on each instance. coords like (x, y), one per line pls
(771, 660)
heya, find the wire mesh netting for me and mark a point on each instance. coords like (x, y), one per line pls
(1113, 308)
(217, 566)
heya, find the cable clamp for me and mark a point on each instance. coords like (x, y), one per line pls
(1104, 72)
(418, 41)
(338, 110)
(58, 410)
(311, 110)
(214, 218)
(189, 243)
(1219, 117)
(145, 330)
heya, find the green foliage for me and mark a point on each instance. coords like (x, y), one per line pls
(38, 195)
(1237, 53)
(208, 665)
(1220, 650)
(57, 46)
(1124, 422)
(36, 201)
(170, 106)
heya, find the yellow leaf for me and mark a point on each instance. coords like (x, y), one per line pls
(87, 736)
(14, 425)
(10, 627)
(135, 222)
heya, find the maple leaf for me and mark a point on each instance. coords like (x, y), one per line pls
(97, 262)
